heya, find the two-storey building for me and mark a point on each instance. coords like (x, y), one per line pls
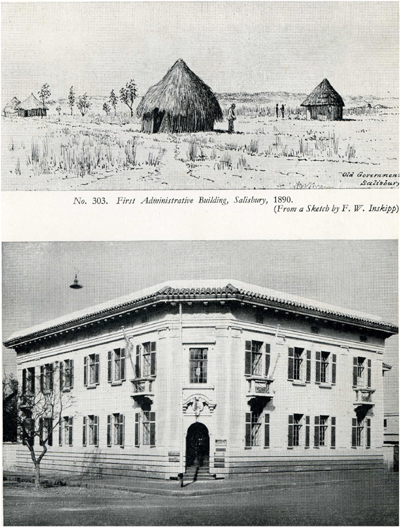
(232, 377)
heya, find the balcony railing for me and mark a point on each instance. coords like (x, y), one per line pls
(142, 387)
(364, 396)
(259, 388)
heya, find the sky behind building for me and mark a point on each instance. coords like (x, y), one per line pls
(233, 46)
(360, 275)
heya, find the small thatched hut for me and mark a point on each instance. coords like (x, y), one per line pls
(324, 103)
(32, 107)
(11, 107)
(180, 102)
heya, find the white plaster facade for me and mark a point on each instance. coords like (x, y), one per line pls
(288, 404)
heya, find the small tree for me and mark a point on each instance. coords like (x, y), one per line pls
(44, 94)
(41, 403)
(113, 101)
(83, 103)
(10, 407)
(106, 108)
(129, 94)
(71, 99)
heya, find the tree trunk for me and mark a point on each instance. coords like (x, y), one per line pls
(37, 474)
(131, 112)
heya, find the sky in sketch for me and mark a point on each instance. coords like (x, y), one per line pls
(360, 275)
(234, 46)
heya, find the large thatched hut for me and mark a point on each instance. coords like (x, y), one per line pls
(180, 102)
(11, 108)
(32, 107)
(324, 103)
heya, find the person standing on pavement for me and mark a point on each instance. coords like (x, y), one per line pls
(277, 110)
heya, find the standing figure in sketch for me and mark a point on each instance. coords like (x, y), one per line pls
(283, 111)
(277, 110)
(231, 119)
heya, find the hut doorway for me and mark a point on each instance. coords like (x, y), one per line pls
(197, 445)
(157, 120)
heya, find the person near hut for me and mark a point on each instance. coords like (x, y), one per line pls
(277, 110)
(283, 111)
(231, 119)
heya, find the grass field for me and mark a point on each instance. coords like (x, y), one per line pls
(99, 152)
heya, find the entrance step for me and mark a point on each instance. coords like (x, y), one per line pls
(199, 473)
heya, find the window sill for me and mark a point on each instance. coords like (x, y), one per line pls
(91, 386)
(299, 383)
(66, 390)
(325, 386)
(116, 383)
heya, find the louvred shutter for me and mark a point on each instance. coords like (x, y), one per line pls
(247, 367)
(291, 364)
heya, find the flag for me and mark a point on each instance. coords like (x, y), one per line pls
(129, 348)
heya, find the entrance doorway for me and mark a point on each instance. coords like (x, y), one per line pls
(197, 446)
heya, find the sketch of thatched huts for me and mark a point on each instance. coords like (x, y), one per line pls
(324, 103)
(32, 107)
(180, 102)
(11, 107)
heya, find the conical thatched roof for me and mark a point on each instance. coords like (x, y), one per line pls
(31, 103)
(323, 95)
(180, 93)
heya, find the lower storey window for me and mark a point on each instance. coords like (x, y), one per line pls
(299, 430)
(46, 431)
(66, 431)
(361, 432)
(90, 430)
(322, 438)
(115, 429)
(145, 428)
(253, 429)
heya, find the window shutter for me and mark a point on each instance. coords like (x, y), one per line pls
(71, 362)
(51, 376)
(267, 358)
(137, 365)
(109, 375)
(368, 445)
(266, 435)
(122, 421)
(317, 366)
(308, 366)
(41, 431)
(41, 378)
(307, 441)
(247, 366)
(152, 429)
(291, 364)
(122, 364)
(316, 431)
(333, 369)
(369, 374)
(50, 431)
(85, 371)
(248, 429)
(108, 430)
(33, 380)
(71, 430)
(137, 429)
(333, 432)
(355, 362)
(97, 370)
(96, 430)
(84, 440)
(290, 431)
(153, 358)
(24, 381)
(62, 375)
(354, 433)
(60, 432)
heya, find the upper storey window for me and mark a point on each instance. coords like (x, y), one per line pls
(198, 365)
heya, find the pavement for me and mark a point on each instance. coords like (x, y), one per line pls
(239, 484)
